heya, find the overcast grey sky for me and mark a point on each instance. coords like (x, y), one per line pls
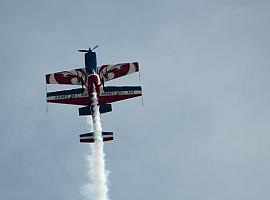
(203, 132)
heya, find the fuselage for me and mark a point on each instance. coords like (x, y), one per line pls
(90, 59)
(93, 79)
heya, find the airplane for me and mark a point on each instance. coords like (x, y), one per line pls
(92, 78)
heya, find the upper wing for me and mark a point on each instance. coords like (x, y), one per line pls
(72, 77)
(79, 76)
(109, 72)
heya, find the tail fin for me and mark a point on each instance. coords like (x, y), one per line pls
(89, 137)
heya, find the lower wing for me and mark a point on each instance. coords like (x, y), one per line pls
(106, 95)
(112, 94)
(75, 97)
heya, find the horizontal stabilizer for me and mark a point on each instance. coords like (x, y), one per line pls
(89, 137)
(102, 109)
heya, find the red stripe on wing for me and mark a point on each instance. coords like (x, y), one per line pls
(114, 98)
(75, 101)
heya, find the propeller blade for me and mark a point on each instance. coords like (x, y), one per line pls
(95, 47)
(82, 50)
(89, 50)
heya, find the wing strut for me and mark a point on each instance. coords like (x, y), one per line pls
(46, 98)
(141, 85)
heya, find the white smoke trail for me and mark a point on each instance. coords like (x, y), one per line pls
(98, 188)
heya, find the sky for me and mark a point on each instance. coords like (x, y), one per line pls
(203, 131)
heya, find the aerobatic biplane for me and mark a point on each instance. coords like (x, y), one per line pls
(92, 78)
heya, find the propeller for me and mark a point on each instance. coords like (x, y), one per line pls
(89, 50)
